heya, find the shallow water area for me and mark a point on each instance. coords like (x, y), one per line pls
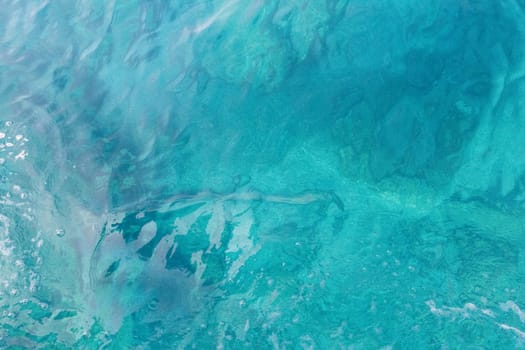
(214, 174)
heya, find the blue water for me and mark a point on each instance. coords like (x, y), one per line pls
(227, 174)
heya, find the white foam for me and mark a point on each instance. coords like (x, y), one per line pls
(5, 242)
(241, 241)
(196, 258)
(512, 306)
(147, 232)
(216, 225)
(182, 225)
(467, 310)
(21, 155)
(518, 332)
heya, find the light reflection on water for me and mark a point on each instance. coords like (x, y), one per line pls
(216, 174)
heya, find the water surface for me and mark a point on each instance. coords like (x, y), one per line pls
(221, 174)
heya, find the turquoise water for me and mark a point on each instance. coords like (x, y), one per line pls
(227, 174)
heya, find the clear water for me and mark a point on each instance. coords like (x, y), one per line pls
(227, 174)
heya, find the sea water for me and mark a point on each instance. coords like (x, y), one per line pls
(228, 174)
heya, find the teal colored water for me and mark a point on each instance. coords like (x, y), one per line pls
(227, 174)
